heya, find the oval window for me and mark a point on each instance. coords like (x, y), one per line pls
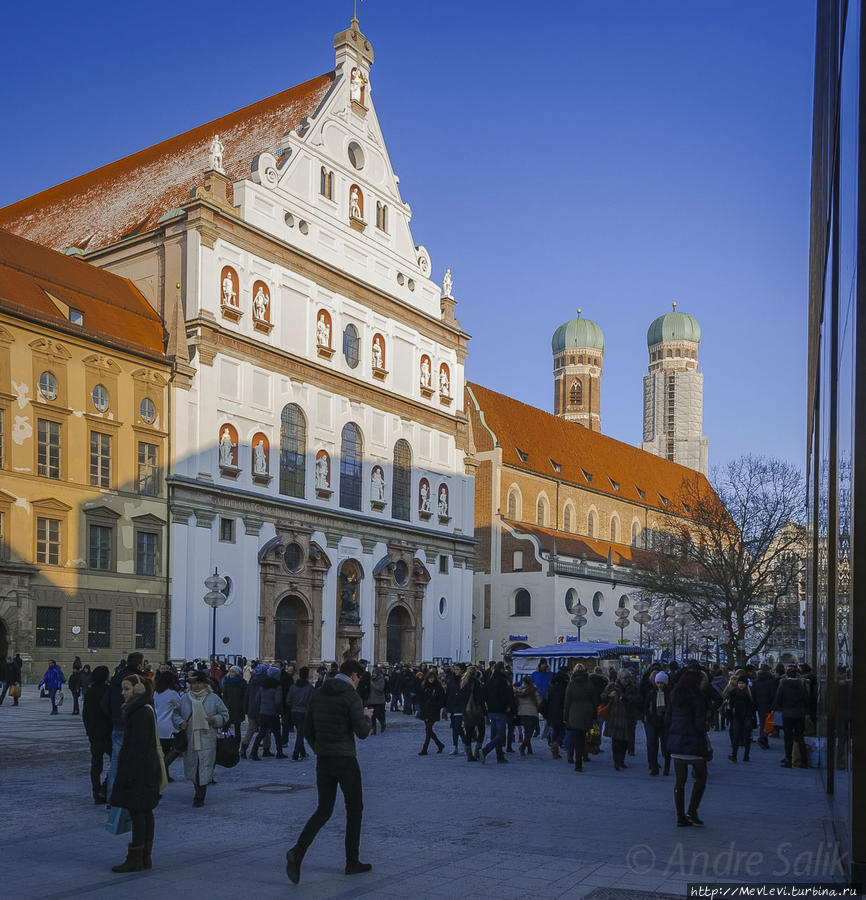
(401, 572)
(294, 556)
(443, 606)
(598, 603)
(147, 411)
(570, 599)
(350, 346)
(48, 385)
(356, 155)
(99, 396)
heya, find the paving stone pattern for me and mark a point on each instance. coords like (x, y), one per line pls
(434, 827)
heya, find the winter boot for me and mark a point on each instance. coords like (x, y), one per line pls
(554, 750)
(680, 803)
(200, 791)
(293, 864)
(244, 751)
(570, 756)
(373, 729)
(148, 862)
(692, 814)
(280, 754)
(470, 757)
(134, 861)
(357, 868)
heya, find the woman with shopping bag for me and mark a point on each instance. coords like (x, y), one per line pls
(203, 714)
(140, 772)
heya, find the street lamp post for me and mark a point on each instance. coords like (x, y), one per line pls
(642, 616)
(214, 597)
(579, 617)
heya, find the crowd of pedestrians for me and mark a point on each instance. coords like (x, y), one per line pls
(143, 719)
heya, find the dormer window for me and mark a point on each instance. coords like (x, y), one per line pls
(613, 484)
(556, 466)
(641, 494)
(326, 184)
(664, 500)
(524, 457)
(687, 507)
(76, 317)
(381, 216)
(587, 475)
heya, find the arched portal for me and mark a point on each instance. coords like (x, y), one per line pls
(287, 628)
(399, 641)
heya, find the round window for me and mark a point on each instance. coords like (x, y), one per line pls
(598, 603)
(147, 411)
(294, 556)
(401, 572)
(443, 607)
(99, 396)
(48, 385)
(356, 155)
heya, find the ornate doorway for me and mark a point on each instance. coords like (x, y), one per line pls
(399, 640)
(286, 625)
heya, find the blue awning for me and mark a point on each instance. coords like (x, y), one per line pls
(581, 650)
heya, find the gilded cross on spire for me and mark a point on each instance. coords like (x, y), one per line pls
(675, 305)
(579, 311)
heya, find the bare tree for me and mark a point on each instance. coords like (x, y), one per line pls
(736, 554)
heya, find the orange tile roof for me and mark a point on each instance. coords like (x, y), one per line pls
(114, 310)
(131, 194)
(593, 551)
(544, 439)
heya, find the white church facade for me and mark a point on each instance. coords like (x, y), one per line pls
(319, 446)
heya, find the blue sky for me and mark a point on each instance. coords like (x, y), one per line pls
(612, 156)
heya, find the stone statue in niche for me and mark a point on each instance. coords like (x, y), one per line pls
(377, 484)
(349, 611)
(227, 449)
(356, 85)
(355, 204)
(444, 384)
(322, 481)
(261, 302)
(447, 284)
(378, 358)
(323, 331)
(425, 373)
(260, 458)
(443, 501)
(216, 154)
(425, 498)
(230, 297)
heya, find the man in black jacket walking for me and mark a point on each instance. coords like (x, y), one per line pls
(499, 699)
(335, 715)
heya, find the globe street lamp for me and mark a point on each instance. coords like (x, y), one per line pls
(681, 616)
(621, 622)
(642, 616)
(214, 597)
(579, 617)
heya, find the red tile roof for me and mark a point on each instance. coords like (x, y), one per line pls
(130, 195)
(576, 546)
(534, 440)
(114, 310)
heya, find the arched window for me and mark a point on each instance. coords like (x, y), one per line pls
(598, 603)
(635, 534)
(613, 529)
(351, 449)
(513, 504)
(540, 512)
(293, 451)
(566, 519)
(401, 485)
(623, 602)
(522, 603)
(571, 599)
(590, 524)
(326, 183)
(351, 345)
(576, 394)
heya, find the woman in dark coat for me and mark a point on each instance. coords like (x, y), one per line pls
(743, 712)
(431, 698)
(472, 699)
(140, 774)
(97, 724)
(688, 742)
(579, 713)
(234, 696)
(552, 710)
(624, 699)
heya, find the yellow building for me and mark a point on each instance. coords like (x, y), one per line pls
(83, 436)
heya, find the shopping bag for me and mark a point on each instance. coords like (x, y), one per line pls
(768, 724)
(58, 698)
(227, 753)
(119, 820)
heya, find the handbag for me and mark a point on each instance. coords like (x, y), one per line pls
(768, 724)
(708, 752)
(603, 711)
(180, 742)
(119, 820)
(15, 691)
(227, 753)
